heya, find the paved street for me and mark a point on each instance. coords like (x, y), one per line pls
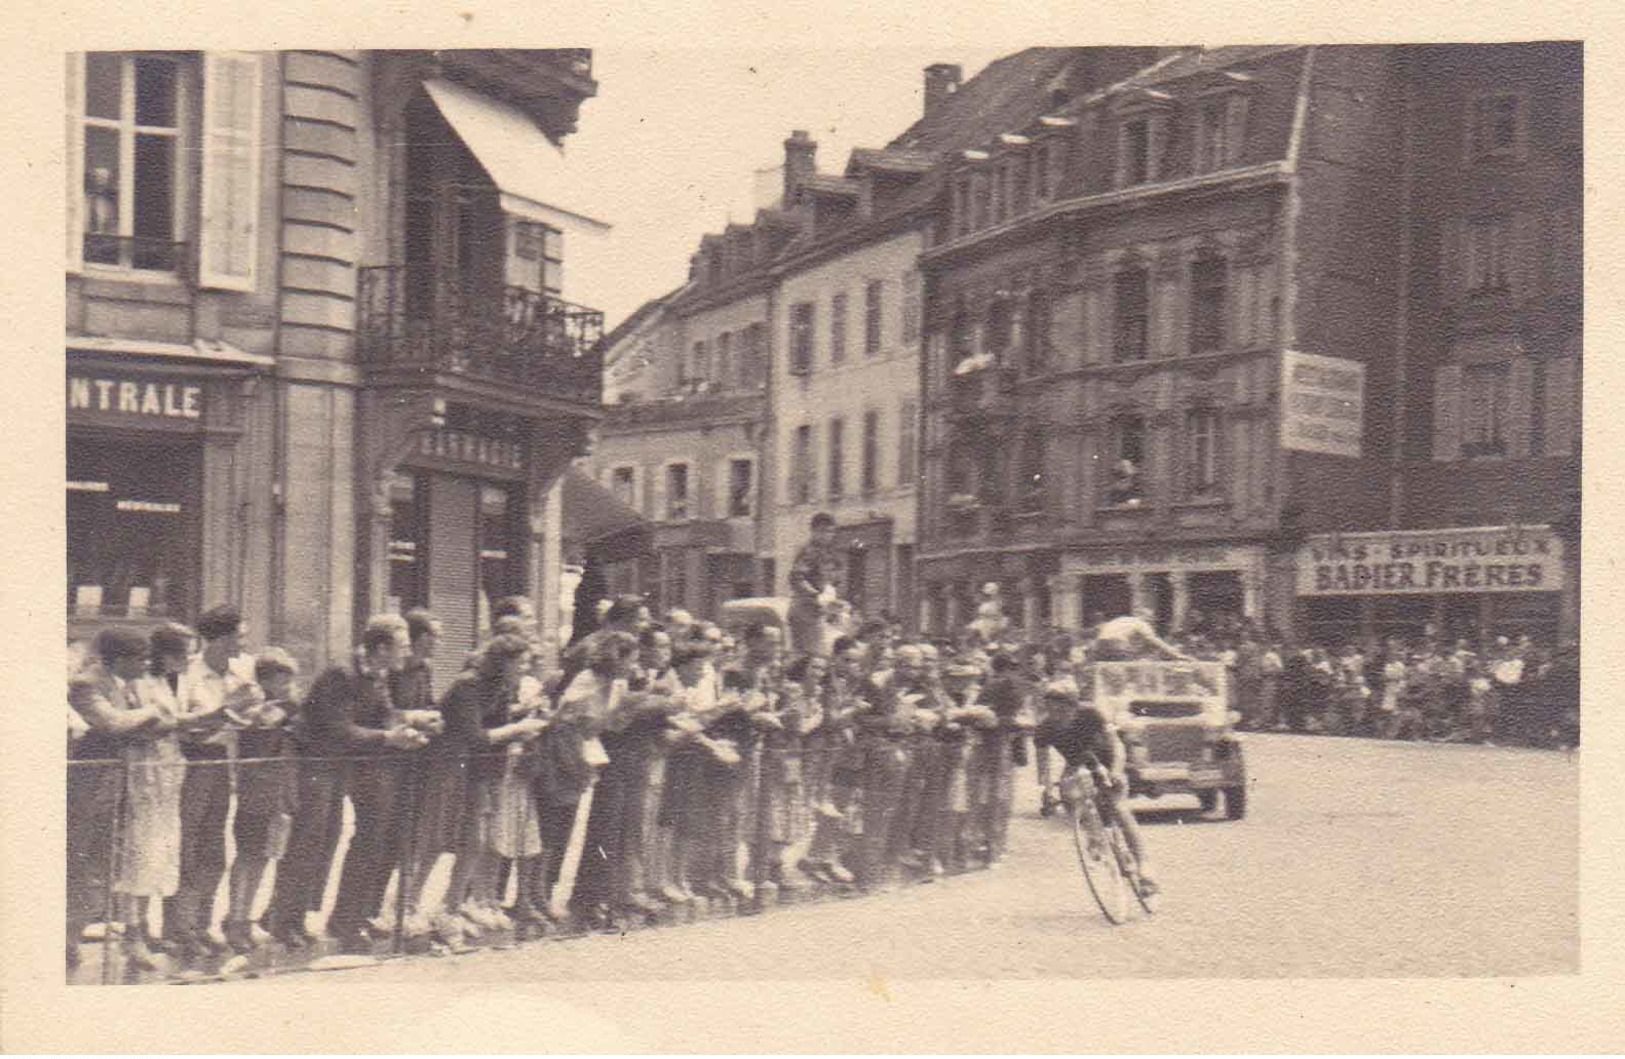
(1357, 859)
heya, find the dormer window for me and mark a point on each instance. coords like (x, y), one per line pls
(1220, 132)
(1142, 130)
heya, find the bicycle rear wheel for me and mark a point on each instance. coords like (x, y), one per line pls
(1101, 868)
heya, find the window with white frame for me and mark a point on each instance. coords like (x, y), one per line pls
(1202, 452)
(741, 487)
(1486, 399)
(536, 260)
(677, 492)
(1489, 242)
(133, 149)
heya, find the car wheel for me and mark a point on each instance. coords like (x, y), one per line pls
(1209, 799)
(1235, 803)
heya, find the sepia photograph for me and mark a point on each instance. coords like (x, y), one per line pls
(1027, 513)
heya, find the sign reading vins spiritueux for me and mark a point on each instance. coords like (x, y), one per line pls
(1426, 562)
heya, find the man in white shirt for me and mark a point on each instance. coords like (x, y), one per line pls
(1132, 636)
(208, 691)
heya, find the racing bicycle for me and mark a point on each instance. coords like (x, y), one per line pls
(1109, 865)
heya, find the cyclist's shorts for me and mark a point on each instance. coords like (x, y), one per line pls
(1077, 735)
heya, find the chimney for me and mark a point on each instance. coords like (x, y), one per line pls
(800, 162)
(941, 81)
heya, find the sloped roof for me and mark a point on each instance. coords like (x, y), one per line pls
(1006, 95)
(891, 159)
(639, 315)
(1206, 59)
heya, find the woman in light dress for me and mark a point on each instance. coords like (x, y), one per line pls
(149, 854)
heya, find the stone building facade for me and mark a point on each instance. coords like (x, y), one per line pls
(1117, 285)
(375, 380)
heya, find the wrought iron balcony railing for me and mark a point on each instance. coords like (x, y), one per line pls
(514, 337)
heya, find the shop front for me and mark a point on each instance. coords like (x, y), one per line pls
(1467, 583)
(156, 487)
(950, 588)
(458, 531)
(1183, 585)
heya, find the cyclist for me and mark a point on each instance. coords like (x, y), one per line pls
(1089, 744)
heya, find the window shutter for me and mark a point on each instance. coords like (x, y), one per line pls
(638, 490)
(1519, 408)
(1156, 147)
(1235, 133)
(722, 487)
(1562, 405)
(228, 250)
(1447, 399)
(659, 493)
(74, 159)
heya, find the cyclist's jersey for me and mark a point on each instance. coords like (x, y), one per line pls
(1081, 732)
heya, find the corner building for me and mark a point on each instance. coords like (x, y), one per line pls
(1118, 287)
(319, 361)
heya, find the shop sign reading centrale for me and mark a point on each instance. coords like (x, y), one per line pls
(1425, 562)
(137, 397)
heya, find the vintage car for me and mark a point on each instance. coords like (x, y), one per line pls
(1177, 725)
(738, 615)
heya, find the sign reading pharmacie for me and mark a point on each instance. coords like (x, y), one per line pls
(1322, 403)
(1426, 562)
(473, 451)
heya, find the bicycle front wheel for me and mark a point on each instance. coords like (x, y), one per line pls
(1097, 856)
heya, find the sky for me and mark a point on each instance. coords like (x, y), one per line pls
(668, 149)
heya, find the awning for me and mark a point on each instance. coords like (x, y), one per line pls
(594, 519)
(528, 169)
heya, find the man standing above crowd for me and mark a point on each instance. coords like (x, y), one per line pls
(816, 567)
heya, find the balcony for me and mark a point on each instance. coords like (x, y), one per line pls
(513, 339)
